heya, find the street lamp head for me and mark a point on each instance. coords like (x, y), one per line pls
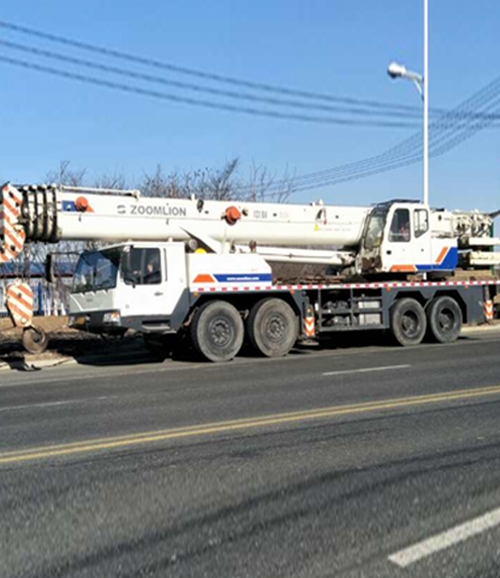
(396, 70)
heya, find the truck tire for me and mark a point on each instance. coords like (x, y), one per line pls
(444, 320)
(408, 322)
(272, 327)
(217, 331)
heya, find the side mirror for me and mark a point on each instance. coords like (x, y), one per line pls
(50, 276)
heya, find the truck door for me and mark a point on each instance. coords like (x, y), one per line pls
(421, 241)
(397, 253)
(154, 279)
(407, 244)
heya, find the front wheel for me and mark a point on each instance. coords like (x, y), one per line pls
(217, 331)
(408, 322)
(444, 319)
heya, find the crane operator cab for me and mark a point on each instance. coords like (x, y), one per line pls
(407, 237)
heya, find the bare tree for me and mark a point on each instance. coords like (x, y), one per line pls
(219, 184)
(66, 175)
(264, 186)
(111, 181)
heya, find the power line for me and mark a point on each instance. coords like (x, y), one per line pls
(308, 95)
(200, 102)
(394, 109)
(452, 128)
(445, 136)
(199, 73)
(393, 158)
(197, 88)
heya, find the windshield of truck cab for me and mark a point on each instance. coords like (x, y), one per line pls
(96, 270)
(375, 228)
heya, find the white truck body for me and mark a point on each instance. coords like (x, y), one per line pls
(175, 252)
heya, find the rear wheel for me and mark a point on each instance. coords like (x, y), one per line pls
(35, 340)
(272, 327)
(444, 320)
(217, 331)
(408, 322)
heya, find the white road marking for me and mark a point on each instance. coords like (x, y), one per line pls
(52, 403)
(367, 369)
(446, 539)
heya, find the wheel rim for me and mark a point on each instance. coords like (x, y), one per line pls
(410, 324)
(220, 332)
(446, 320)
(276, 328)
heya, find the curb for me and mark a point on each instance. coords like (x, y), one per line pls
(480, 328)
(33, 364)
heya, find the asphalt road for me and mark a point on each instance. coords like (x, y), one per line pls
(365, 462)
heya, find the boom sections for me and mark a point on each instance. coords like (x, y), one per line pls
(53, 213)
(307, 233)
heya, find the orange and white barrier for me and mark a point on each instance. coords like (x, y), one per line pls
(309, 323)
(19, 302)
(488, 310)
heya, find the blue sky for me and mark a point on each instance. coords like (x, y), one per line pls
(339, 47)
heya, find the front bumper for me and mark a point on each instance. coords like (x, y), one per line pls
(111, 323)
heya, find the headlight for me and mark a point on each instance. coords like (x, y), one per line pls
(112, 317)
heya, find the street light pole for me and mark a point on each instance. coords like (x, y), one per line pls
(426, 105)
(421, 82)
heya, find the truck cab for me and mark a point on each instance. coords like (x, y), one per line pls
(404, 237)
(152, 287)
(130, 286)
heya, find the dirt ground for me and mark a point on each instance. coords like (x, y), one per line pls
(64, 341)
(48, 324)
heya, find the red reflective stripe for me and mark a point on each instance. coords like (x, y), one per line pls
(13, 239)
(19, 313)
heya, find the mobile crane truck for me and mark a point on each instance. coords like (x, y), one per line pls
(200, 269)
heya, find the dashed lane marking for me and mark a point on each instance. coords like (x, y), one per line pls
(439, 542)
(367, 369)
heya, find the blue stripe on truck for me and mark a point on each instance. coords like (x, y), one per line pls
(243, 277)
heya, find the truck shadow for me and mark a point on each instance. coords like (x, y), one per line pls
(131, 351)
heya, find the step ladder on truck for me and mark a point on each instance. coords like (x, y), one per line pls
(195, 269)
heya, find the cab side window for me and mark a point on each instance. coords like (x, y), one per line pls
(400, 226)
(142, 267)
(420, 222)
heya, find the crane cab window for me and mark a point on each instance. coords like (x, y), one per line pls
(141, 267)
(420, 222)
(400, 226)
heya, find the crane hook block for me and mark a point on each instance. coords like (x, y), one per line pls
(232, 215)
